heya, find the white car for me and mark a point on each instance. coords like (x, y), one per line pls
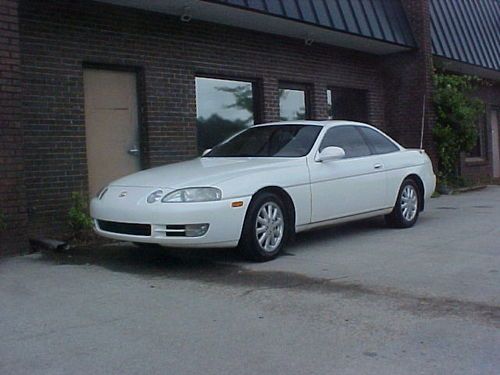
(266, 183)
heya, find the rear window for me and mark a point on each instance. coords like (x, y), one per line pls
(379, 143)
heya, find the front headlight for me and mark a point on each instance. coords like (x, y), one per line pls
(201, 194)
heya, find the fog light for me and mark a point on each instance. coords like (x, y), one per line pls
(196, 230)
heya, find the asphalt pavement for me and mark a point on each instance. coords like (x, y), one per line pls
(357, 298)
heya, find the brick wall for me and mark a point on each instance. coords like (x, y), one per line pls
(59, 37)
(12, 198)
(408, 78)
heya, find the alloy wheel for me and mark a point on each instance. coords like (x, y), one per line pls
(409, 202)
(269, 226)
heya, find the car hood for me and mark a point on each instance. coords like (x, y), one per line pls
(202, 172)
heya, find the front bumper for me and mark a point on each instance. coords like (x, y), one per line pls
(225, 222)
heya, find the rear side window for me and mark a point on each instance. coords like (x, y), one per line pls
(378, 142)
(349, 139)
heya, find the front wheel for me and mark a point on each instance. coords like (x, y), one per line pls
(266, 228)
(406, 210)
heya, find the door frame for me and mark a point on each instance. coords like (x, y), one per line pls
(141, 103)
(495, 141)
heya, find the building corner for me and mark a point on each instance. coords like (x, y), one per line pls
(408, 82)
(13, 209)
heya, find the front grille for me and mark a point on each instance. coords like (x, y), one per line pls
(125, 228)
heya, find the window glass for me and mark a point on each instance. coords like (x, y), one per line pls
(329, 103)
(269, 141)
(479, 150)
(223, 108)
(292, 104)
(348, 138)
(345, 103)
(379, 143)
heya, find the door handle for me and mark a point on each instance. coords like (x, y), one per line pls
(378, 166)
(134, 151)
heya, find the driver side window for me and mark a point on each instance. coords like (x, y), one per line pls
(348, 138)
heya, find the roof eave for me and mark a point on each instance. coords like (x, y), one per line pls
(231, 15)
(457, 66)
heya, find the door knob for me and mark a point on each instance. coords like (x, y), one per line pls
(134, 151)
(377, 166)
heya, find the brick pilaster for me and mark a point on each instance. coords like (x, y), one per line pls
(12, 198)
(408, 78)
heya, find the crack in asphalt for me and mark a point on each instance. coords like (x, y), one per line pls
(221, 268)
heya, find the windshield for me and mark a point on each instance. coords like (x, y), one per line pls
(269, 141)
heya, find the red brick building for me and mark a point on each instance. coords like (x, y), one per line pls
(169, 78)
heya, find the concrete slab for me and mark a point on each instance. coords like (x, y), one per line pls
(353, 299)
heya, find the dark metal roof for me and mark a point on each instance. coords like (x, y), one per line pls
(467, 31)
(383, 20)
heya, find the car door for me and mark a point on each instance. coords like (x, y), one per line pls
(349, 186)
(385, 152)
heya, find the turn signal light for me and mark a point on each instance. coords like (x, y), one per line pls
(237, 204)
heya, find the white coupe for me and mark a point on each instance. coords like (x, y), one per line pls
(266, 183)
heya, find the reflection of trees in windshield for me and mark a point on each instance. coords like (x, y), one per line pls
(269, 141)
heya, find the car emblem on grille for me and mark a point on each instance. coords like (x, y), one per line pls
(122, 194)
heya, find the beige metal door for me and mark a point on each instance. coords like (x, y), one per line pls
(111, 122)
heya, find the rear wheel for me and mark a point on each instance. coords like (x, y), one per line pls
(266, 228)
(406, 210)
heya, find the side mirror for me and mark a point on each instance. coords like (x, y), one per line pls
(206, 151)
(330, 153)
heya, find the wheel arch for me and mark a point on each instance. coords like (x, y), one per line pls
(287, 199)
(421, 189)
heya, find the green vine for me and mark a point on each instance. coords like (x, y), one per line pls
(457, 114)
(79, 220)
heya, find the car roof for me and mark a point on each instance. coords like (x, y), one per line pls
(329, 124)
(323, 123)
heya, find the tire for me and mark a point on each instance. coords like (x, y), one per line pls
(260, 241)
(407, 207)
